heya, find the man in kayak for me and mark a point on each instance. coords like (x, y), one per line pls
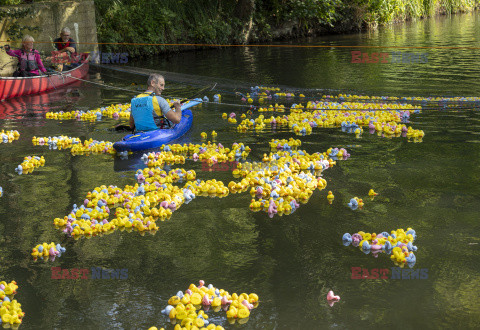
(149, 108)
(29, 61)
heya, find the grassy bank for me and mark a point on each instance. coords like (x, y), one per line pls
(247, 21)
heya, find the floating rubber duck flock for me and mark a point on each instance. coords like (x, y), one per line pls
(45, 250)
(182, 307)
(279, 188)
(11, 314)
(29, 164)
(398, 244)
(280, 183)
(9, 136)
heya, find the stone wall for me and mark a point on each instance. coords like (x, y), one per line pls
(51, 17)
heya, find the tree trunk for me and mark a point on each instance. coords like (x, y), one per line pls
(244, 10)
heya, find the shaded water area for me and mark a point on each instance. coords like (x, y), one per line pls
(292, 261)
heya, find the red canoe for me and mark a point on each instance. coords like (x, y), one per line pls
(12, 87)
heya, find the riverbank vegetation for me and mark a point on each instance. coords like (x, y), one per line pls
(247, 21)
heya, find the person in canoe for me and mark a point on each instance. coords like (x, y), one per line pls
(29, 61)
(64, 43)
(65, 56)
(149, 110)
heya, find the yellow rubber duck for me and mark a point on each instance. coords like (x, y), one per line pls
(372, 193)
(330, 197)
(360, 203)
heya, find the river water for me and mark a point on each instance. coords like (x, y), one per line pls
(291, 262)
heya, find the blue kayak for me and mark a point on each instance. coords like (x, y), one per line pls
(154, 139)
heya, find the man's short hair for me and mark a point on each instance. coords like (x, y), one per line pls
(154, 78)
(65, 30)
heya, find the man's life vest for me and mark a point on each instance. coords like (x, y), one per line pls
(62, 45)
(142, 108)
(27, 61)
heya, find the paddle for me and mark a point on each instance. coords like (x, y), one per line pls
(126, 128)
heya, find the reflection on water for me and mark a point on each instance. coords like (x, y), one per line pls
(291, 262)
(447, 72)
(38, 104)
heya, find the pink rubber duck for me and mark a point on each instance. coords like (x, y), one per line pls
(68, 229)
(164, 204)
(247, 304)
(225, 301)
(206, 301)
(375, 246)
(140, 178)
(272, 208)
(201, 284)
(52, 252)
(331, 298)
(172, 206)
(232, 115)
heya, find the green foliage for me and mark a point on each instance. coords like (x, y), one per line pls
(453, 6)
(387, 11)
(218, 21)
(212, 31)
(166, 21)
(16, 2)
(263, 28)
(10, 2)
(310, 12)
(16, 30)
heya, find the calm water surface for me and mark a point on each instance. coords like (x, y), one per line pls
(292, 261)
